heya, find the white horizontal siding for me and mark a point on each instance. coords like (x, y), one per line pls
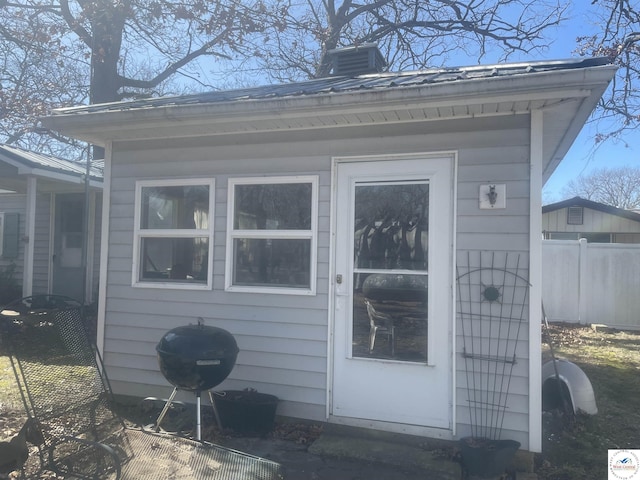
(592, 221)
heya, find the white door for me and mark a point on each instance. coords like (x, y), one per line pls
(393, 291)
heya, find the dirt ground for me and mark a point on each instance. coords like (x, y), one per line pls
(574, 447)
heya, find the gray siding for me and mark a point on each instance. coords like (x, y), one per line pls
(14, 203)
(42, 253)
(17, 203)
(282, 338)
(507, 230)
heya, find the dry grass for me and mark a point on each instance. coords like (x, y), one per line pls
(573, 448)
(576, 448)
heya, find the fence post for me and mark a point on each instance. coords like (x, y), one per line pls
(583, 279)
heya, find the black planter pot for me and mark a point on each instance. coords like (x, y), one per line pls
(246, 411)
(486, 458)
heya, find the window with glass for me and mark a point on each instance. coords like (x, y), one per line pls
(272, 224)
(174, 233)
(390, 265)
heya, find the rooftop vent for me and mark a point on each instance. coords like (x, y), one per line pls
(358, 60)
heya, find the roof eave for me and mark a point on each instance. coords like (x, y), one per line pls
(572, 131)
(25, 167)
(585, 85)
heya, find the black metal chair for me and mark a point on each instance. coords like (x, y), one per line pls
(64, 387)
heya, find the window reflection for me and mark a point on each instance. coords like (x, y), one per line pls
(391, 226)
(390, 318)
(272, 262)
(180, 259)
(390, 295)
(273, 207)
(175, 207)
(273, 233)
(173, 237)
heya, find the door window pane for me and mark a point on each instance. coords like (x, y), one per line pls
(390, 297)
(391, 226)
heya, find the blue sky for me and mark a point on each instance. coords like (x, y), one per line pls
(583, 157)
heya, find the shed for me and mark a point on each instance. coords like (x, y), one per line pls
(267, 211)
(578, 218)
(42, 204)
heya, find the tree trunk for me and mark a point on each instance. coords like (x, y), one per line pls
(107, 29)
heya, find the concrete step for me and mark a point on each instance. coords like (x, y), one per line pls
(434, 459)
(435, 463)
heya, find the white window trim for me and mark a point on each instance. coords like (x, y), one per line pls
(311, 234)
(139, 233)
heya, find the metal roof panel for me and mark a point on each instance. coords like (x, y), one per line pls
(49, 162)
(342, 84)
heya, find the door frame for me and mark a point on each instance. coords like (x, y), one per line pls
(90, 240)
(383, 425)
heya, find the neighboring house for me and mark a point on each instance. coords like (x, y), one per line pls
(578, 218)
(261, 210)
(42, 204)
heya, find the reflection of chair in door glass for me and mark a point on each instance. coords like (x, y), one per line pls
(380, 323)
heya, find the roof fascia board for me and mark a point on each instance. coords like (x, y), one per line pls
(58, 176)
(10, 161)
(122, 125)
(25, 168)
(580, 118)
(101, 126)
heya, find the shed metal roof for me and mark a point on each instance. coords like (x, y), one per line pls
(342, 84)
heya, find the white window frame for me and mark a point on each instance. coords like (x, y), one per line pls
(311, 234)
(139, 233)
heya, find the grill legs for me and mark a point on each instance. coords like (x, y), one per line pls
(165, 409)
(198, 414)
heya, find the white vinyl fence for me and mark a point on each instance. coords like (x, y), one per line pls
(591, 282)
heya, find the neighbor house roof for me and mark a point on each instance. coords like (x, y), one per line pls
(566, 90)
(22, 163)
(583, 202)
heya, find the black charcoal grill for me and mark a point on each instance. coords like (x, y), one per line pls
(195, 358)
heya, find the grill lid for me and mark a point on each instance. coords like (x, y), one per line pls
(198, 342)
(196, 357)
